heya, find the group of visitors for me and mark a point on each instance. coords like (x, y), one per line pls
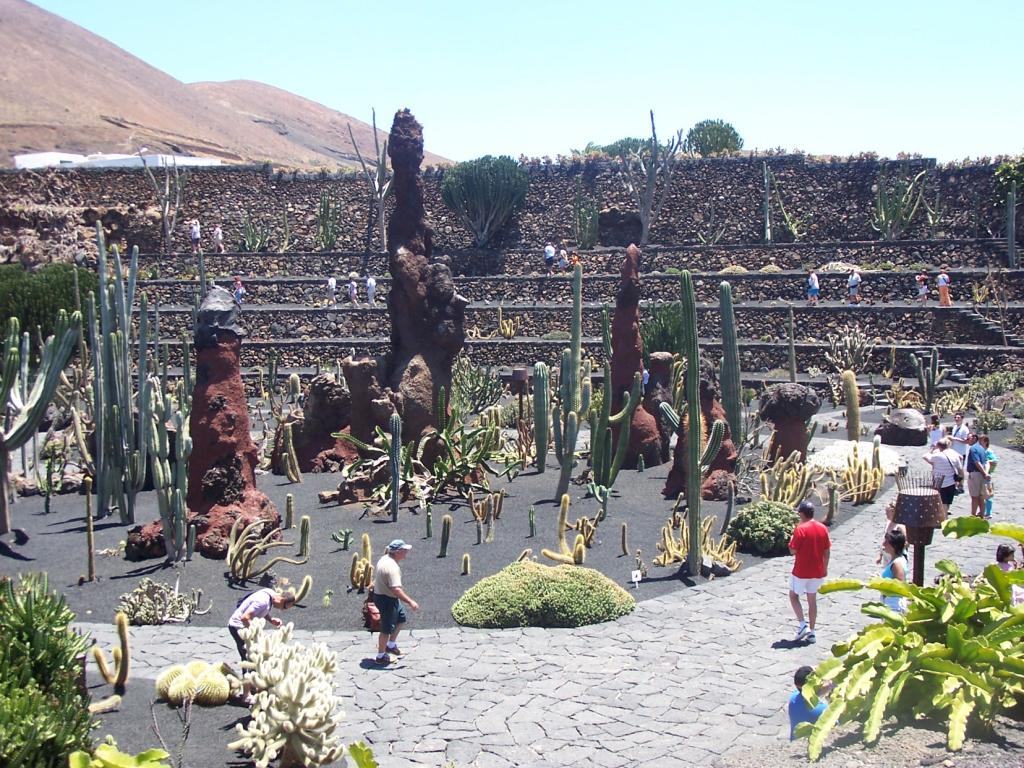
(854, 280)
(195, 233)
(387, 594)
(565, 262)
(353, 290)
(962, 458)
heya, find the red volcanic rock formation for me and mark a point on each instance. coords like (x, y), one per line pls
(715, 485)
(221, 470)
(325, 412)
(627, 360)
(427, 330)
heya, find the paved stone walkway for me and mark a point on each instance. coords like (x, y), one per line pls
(695, 676)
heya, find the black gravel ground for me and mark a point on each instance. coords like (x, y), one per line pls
(57, 546)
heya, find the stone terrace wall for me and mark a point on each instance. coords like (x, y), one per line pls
(837, 196)
(764, 323)
(784, 286)
(868, 255)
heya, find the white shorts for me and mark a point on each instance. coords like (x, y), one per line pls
(800, 586)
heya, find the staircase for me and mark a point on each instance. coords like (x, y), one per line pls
(990, 328)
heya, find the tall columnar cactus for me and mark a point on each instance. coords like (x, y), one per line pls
(121, 441)
(574, 389)
(395, 462)
(446, 534)
(766, 203)
(929, 376)
(606, 465)
(852, 397)
(791, 339)
(541, 413)
(23, 413)
(1011, 226)
(694, 434)
(731, 387)
(171, 485)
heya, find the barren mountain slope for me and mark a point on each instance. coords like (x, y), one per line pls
(64, 88)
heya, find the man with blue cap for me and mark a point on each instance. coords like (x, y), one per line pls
(388, 596)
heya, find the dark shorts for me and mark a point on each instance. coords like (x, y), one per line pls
(239, 642)
(947, 494)
(813, 292)
(392, 615)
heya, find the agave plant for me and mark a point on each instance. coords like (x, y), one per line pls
(956, 655)
(374, 464)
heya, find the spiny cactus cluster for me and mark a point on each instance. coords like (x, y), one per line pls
(207, 685)
(245, 545)
(295, 711)
(154, 603)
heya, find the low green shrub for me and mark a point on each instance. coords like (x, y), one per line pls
(990, 421)
(733, 269)
(556, 336)
(35, 298)
(673, 271)
(1017, 439)
(43, 714)
(771, 268)
(763, 528)
(528, 594)
(662, 329)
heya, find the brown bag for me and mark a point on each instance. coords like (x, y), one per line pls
(371, 613)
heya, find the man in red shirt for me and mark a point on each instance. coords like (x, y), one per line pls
(810, 545)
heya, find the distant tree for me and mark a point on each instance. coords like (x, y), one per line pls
(378, 179)
(484, 193)
(646, 172)
(170, 190)
(712, 137)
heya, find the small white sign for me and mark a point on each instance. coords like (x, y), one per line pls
(635, 577)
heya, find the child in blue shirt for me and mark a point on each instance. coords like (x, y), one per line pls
(799, 710)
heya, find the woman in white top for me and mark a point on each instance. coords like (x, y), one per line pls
(946, 467)
(936, 433)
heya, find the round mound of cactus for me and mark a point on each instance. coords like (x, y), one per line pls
(763, 528)
(206, 684)
(527, 594)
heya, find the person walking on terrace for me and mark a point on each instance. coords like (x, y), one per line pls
(332, 291)
(388, 596)
(238, 290)
(853, 286)
(810, 546)
(353, 289)
(194, 234)
(978, 475)
(813, 287)
(218, 239)
(549, 257)
(922, 288)
(943, 281)
(371, 290)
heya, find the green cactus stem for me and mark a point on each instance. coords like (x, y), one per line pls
(791, 338)
(691, 353)
(24, 414)
(446, 534)
(852, 397)
(465, 565)
(640, 464)
(291, 459)
(623, 540)
(729, 503)
(117, 675)
(430, 523)
(731, 385)
(190, 542)
(395, 462)
(289, 511)
(541, 413)
(929, 376)
(833, 502)
(343, 537)
(532, 515)
(90, 543)
(568, 454)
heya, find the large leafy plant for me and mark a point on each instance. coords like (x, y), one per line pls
(956, 655)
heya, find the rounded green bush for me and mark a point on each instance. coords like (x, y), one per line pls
(763, 528)
(528, 594)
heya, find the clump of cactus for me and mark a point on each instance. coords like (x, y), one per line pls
(154, 603)
(343, 537)
(295, 708)
(930, 373)
(360, 574)
(116, 674)
(208, 685)
(851, 395)
(787, 481)
(246, 545)
(541, 413)
(607, 464)
(569, 555)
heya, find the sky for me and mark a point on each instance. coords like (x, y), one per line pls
(536, 77)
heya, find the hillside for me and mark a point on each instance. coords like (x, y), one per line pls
(64, 88)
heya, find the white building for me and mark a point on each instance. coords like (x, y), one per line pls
(68, 160)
